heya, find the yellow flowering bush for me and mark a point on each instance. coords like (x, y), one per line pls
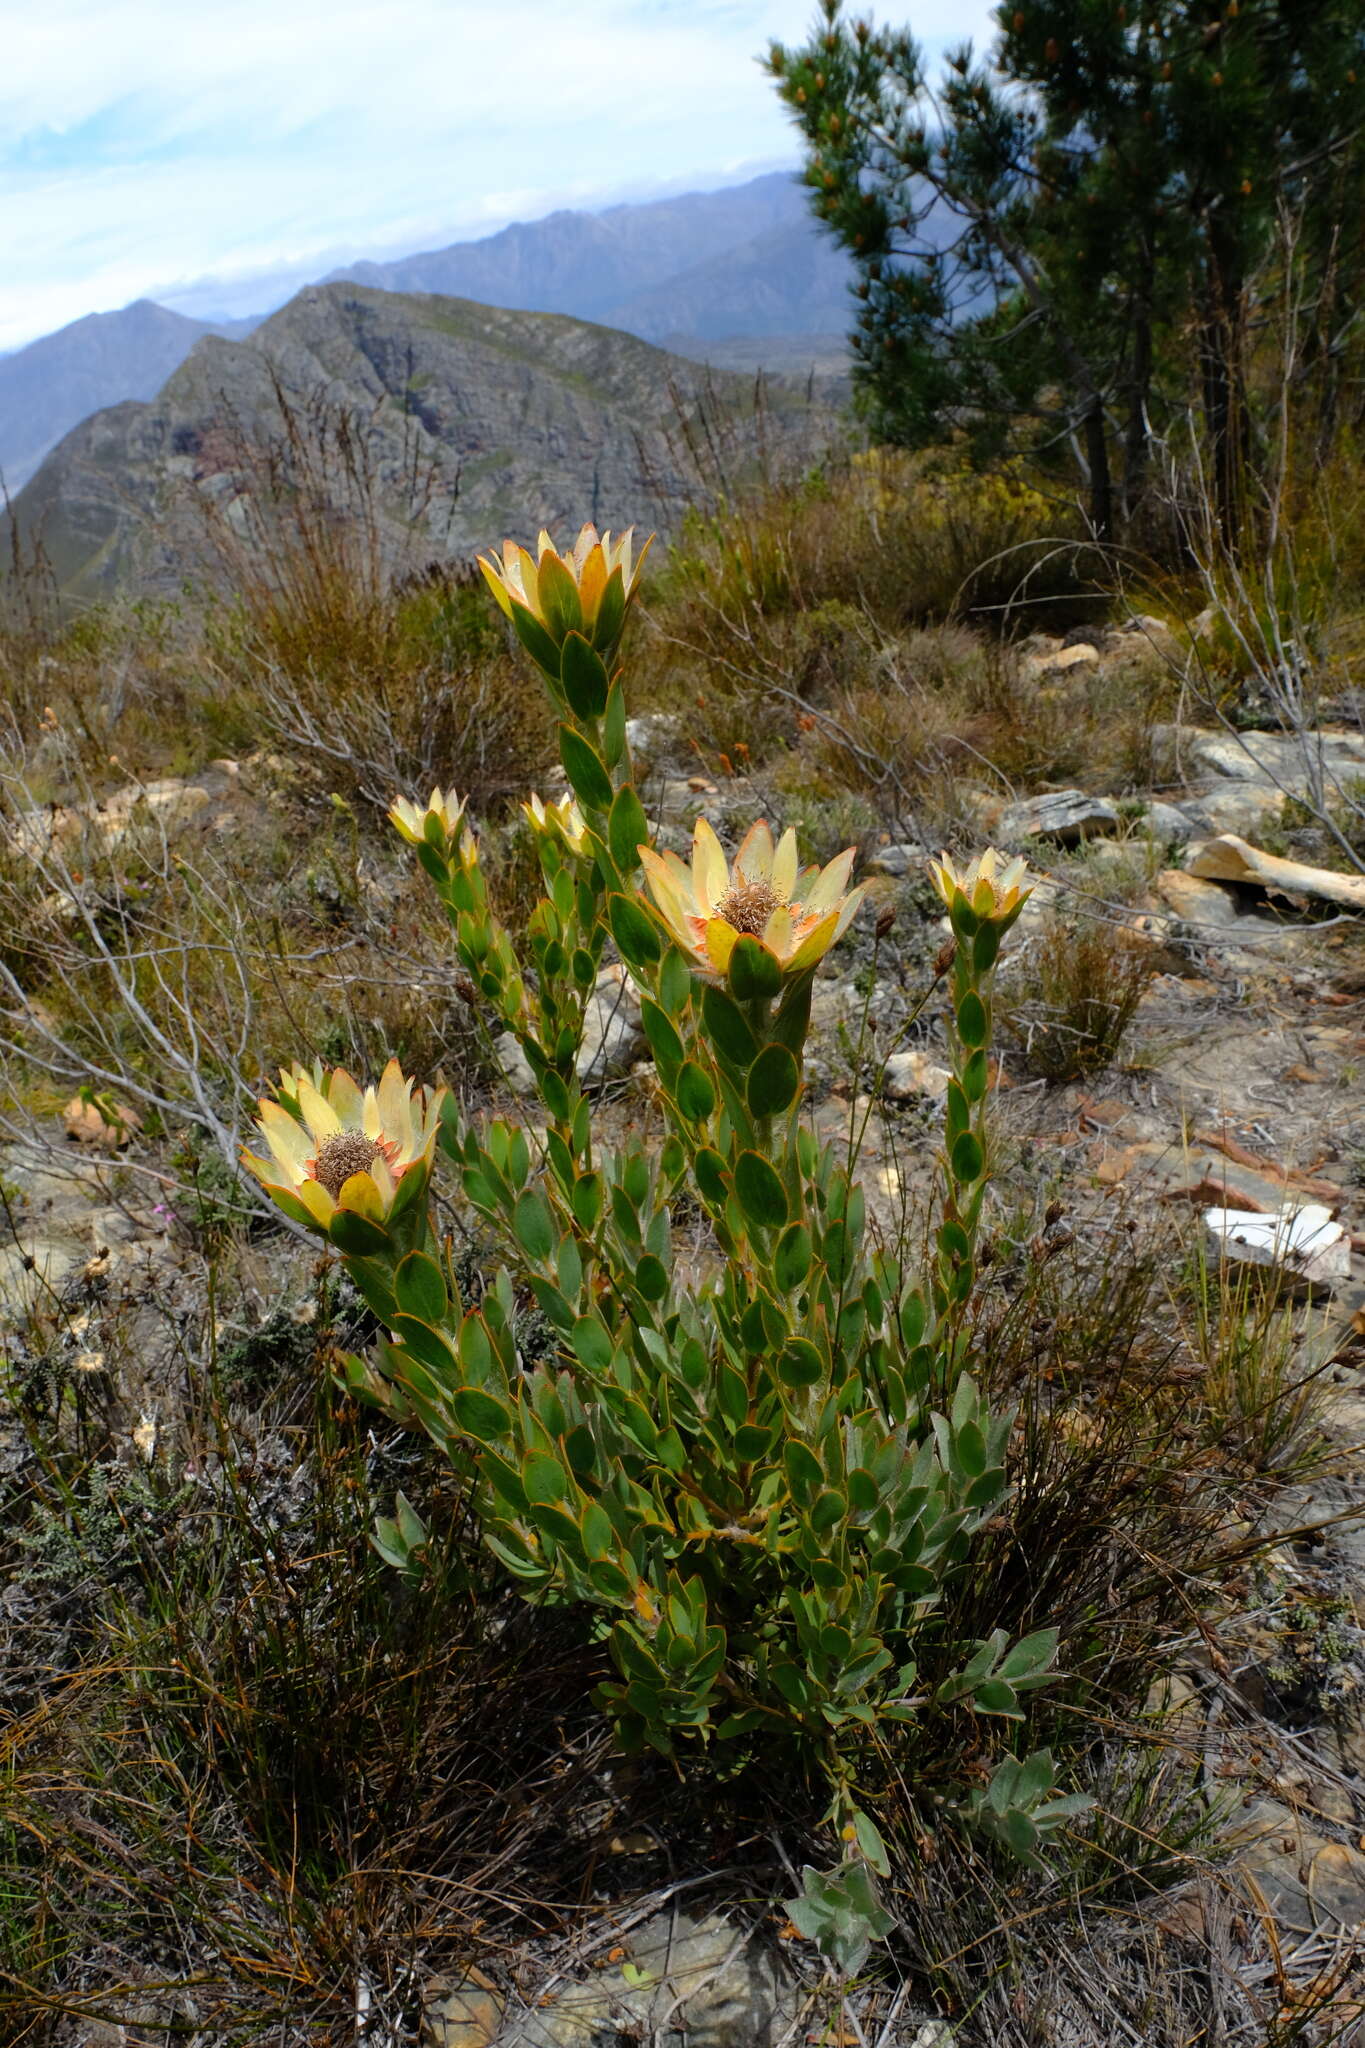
(761, 1484)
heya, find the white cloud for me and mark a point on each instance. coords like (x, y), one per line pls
(152, 143)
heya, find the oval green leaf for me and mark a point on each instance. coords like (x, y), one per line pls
(585, 769)
(774, 1081)
(761, 1193)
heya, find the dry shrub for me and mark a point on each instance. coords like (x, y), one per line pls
(1071, 993)
(795, 596)
(176, 969)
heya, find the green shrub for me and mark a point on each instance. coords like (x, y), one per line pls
(761, 1485)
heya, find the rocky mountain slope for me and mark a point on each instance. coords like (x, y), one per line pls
(445, 422)
(746, 266)
(104, 358)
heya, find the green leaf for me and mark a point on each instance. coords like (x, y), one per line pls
(773, 1083)
(985, 947)
(761, 1193)
(792, 1022)
(752, 1442)
(592, 1345)
(481, 1415)
(627, 829)
(968, 1160)
(598, 1536)
(969, 1447)
(586, 1200)
(611, 611)
(993, 1696)
(1030, 1656)
(972, 1025)
(800, 1364)
(792, 1257)
(727, 1027)
(614, 726)
(420, 1287)
(533, 1224)
(805, 1474)
(712, 1180)
(355, 1235)
(872, 1845)
(976, 1076)
(544, 1478)
(634, 930)
(537, 642)
(864, 1494)
(664, 1041)
(913, 1316)
(583, 677)
(755, 974)
(675, 982)
(557, 595)
(584, 767)
(651, 1277)
(695, 1094)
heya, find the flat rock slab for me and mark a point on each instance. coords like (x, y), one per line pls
(1066, 815)
(1289, 761)
(695, 1980)
(1300, 1241)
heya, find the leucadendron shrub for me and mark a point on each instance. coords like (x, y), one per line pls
(760, 1484)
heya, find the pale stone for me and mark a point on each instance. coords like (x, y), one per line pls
(1082, 655)
(1066, 815)
(612, 1033)
(913, 1074)
(1304, 1242)
(1196, 902)
(899, 860)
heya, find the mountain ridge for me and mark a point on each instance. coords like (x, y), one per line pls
(750, 268)
(513, 420)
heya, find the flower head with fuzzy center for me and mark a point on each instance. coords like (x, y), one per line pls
(997, 896)
(795, 914)
(585, 590)
(563, 821)
(333, 1145)
(442, 817)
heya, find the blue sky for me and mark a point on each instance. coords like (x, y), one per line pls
(218, 154)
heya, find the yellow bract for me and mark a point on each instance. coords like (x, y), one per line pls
(444, 806)
(795, 914)
(564, 820)
(564, 592)
(989, 894)
(347, 1147)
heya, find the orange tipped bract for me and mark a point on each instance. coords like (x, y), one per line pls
(331, 1145)
(708, 905)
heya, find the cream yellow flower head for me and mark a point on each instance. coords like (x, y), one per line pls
(333, 1145)
(989, 894)
(440, 818)
(564, 821)
(795, 914)
(584, 590)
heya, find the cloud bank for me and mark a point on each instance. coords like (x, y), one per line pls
(151, 145)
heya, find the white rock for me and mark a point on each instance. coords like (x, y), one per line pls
(1062, 814)
(913, 1073)
(1168, 825)
(904, 858)
(612, 1033)
(516, 1068)
(1306, 1243)
(1082, 655)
